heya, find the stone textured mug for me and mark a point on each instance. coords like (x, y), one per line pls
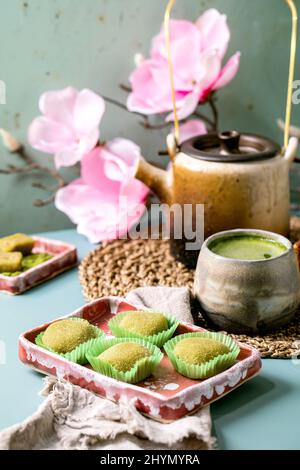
(248, 296)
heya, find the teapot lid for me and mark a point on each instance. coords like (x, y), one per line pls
(230, 146)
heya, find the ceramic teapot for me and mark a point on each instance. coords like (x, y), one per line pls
(241, 179)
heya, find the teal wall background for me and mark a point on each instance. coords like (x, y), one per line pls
(50, 44)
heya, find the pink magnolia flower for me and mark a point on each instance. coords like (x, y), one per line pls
(190, 129)
(106, 201)
(69, 125)
(197, 51)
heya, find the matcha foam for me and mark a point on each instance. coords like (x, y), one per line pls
(247, 247)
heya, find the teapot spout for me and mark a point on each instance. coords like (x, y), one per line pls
(153, 177)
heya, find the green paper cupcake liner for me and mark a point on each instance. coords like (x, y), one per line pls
(78, 354)
(142, 369)
(159, 339)
(209, 368)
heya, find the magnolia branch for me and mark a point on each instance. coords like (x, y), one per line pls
(122, 106)
(31, 166)
(215, 114)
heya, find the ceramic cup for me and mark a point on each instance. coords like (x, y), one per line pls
(248, 296)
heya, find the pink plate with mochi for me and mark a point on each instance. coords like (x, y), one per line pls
(64, 257)
(165, 396)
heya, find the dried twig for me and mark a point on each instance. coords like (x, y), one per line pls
(115, 102)
(204, 118)
(161, 125)
(32, 166)
(215, 113)
(126, 88)
(212, 125)
(123, 106)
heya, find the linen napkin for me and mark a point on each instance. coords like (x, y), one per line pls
(74, 418)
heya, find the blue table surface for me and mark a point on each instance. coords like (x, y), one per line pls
(264, 413)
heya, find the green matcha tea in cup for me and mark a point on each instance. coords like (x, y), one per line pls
(247, 247)
(247, 280)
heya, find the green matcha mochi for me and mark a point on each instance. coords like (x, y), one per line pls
(144, 323)
(198, 350)
(124, 356)
(17, 242)
(65, 335)
(28, 262)
(10, 262)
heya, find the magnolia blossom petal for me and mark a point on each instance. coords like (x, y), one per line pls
(197, 51)
(228, 72)
(88, 111)
(89, 141)
(76, 200)
(178, 29)
(92, 168)
(114, 167)
(49, 136)
(135, 104)
(143, 78)
(69, 126)
(215, 34)
(126, 150)
(103, 208)
(188, 106)
(96, 228)
(185, 50)
(121, 157)
(213, 69)
(59, 105)
(190, 129)
(97, 218)
(151, 90)
(73, 154)
(187, 63)
(93, 174)
(122, 217)
(67, 158)
(134, 191)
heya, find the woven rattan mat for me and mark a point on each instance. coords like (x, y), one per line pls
(120, 266)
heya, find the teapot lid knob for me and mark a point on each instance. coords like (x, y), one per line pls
(230, 141)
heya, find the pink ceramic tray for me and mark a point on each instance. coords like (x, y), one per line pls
(166, 396)
(64, 257)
